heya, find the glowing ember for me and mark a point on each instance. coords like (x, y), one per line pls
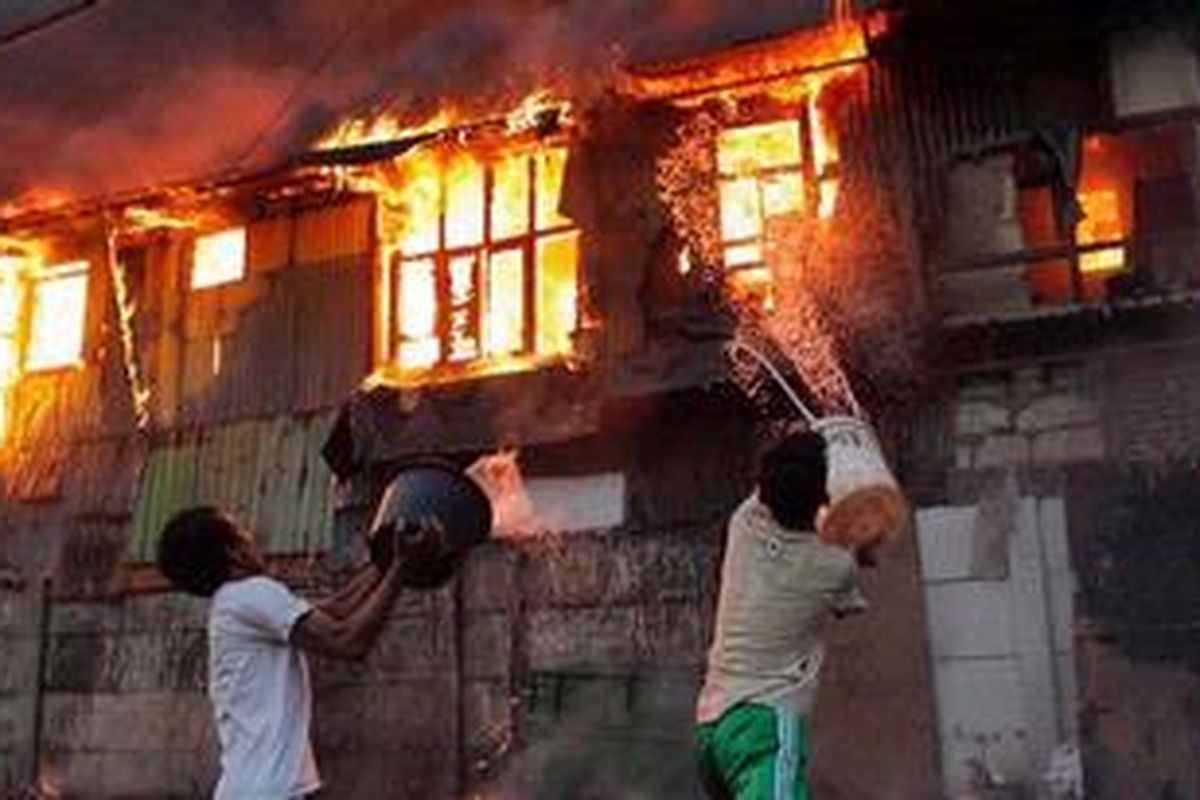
(59, 296)
(219, 258)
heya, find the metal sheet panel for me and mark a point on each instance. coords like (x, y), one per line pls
(332, 331)
(269, 473)
(102, 478)
(335, 232)
(296, 340)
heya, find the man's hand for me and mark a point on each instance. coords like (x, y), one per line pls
(350, 636)
(417, 543)
(404, 541)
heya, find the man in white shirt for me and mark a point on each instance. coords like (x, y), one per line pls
(258, 678)
(778, 580)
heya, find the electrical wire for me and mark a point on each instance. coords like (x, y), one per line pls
(39, 25)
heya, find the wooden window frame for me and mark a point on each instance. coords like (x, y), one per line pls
(526, 242)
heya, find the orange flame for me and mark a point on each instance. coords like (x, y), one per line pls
(383, 127)
(35, 199)
(390, 126)
(467, 221)
(795, 65)
(768, 169)
(139, 219)
(1105, 206)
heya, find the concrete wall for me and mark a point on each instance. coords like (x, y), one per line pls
(1077, 424)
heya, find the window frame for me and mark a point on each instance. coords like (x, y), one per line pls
(60, 271)
(244, 250)
(753, 281)
(1084, 287)
(527, 242)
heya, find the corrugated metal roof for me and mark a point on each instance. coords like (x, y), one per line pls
(269, 473)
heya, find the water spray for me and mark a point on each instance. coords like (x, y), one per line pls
(866, 506)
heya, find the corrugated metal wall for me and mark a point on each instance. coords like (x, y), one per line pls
(295, 334)
(938, 109)
(269, 473)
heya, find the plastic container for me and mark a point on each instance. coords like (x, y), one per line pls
(866, 506)
(431, 491)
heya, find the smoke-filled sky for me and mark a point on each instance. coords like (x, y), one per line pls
(131, 93)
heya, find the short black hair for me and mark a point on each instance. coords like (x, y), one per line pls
(195, 549)
(791, 479)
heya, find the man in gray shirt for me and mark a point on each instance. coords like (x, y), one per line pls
(778, 581)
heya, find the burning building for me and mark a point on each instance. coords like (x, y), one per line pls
(976, 226)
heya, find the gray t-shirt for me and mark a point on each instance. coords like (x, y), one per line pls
(776, 586)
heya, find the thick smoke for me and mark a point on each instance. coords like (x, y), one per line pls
(141, 92)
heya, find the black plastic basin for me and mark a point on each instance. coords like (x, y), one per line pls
(431, 491)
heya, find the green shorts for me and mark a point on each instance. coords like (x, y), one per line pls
(754, 752)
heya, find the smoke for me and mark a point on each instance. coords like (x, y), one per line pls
(141, 92)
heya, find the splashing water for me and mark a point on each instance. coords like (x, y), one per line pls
(841, 319)
(685, 176)
(500, 477)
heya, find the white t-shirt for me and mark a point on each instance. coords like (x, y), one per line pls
(261, 696)
(776, 586)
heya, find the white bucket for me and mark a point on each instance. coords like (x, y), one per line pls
(866, 506)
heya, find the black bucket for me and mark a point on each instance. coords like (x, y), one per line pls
(424, 491)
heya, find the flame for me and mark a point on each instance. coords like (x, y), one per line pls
(35, 199)
(126, 310)
(535, 110)
(767, 169)
(1105, 208)
(1101, 223)
(795, 65)
(139, 219)
(532, 112)
(384, 127)
(478, 267)
(42, 315)
(826, 156)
